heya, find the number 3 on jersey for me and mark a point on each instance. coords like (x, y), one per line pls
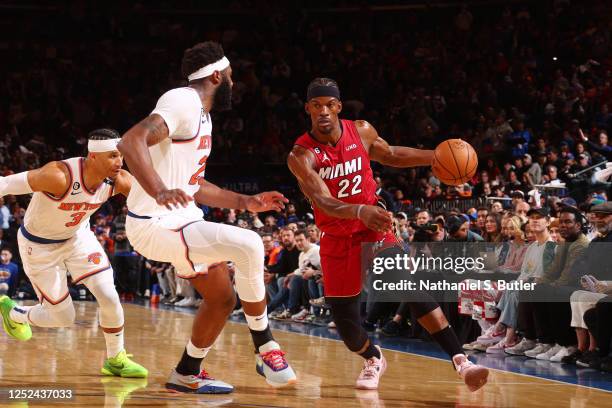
(345, 184)
(76, 219)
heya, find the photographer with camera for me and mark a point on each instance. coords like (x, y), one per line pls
(428, 232)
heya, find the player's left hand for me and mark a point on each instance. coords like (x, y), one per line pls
(266, 201)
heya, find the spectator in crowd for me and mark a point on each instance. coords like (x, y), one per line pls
(458, 229)
(517, 197)
(519, 140)
(554, 231)
(289, 217)
(9, 273)
(497, 207)
(602, 147)
(521, 209)
(512, 232)
(277, 273)
(493, 228)
(598, 323)
(5, 215)
(270, 224)
(272, 251)
(481, 219)
(546, 310)
(422, 217)
(538, 256)
(306, 276)
(314, 234)
(595, 271)
(533, 174)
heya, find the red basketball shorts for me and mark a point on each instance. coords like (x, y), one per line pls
(341, 261)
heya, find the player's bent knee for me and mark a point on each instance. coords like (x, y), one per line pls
(253, 246)
(248, 247)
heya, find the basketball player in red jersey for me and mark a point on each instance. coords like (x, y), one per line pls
(332, 166)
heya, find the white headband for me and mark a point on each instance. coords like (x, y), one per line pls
(102, 146)
(209, 69)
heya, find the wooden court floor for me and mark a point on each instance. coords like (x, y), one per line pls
(71, 358)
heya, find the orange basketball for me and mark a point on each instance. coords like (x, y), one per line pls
(455, 162)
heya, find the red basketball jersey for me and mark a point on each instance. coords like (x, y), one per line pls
(345, 169)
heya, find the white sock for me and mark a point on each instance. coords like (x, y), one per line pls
(114, 343)
(269, 346)
(197, 352)
(20, 313)
(258, 323)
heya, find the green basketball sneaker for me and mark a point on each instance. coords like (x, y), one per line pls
(122, 366)
(19, 331)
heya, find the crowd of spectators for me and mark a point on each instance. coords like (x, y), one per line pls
(528, 87)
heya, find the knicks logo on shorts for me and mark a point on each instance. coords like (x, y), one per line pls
(94, 258)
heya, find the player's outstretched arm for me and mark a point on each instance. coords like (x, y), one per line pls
(134, 146)
(52, 178)
(394, 156)
(214, 196)
(301, 164)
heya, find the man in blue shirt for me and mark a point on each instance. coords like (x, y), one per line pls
(8, 273)
(519, 140)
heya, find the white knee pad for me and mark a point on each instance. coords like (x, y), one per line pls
(249, 265)
(102, 286)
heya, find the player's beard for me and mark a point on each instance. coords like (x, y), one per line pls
(223, 97)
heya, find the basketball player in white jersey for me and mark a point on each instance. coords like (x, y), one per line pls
(55, 238)
(167, 153)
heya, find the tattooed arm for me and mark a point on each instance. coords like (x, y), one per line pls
(134, 146)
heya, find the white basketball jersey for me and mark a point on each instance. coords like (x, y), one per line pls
(180, 160)
(52, 217)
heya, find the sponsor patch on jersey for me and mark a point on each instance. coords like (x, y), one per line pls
(94, 258)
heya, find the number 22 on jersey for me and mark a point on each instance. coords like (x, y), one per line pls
(344, 185)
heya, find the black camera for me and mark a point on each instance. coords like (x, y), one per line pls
(430, 227)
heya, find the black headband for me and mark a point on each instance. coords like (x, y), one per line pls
(323, 90)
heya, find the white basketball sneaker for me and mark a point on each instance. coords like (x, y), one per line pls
(474, 376)
(373, 369)
(271, 363)
(197, 384)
